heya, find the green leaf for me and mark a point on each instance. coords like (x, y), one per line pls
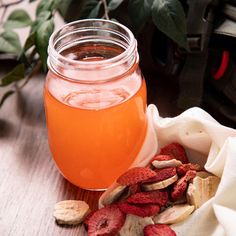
(5, 96)
(58, 3)
(24, 59)
(43, 16)
(45, 5)
(94, 13)
(43, 34)
(30, 41)
(10, 42)
(16, 74)
(64, 6)
(169, 18)
(140, 11)
(87, 7)
(113, 4)
(18, 19)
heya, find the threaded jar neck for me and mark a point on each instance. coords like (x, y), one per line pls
(92, 50)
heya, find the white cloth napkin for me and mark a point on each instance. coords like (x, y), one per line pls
(210, 144)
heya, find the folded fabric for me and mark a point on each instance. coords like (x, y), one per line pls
(208, 143)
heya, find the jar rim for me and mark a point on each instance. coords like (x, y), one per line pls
(131, 46)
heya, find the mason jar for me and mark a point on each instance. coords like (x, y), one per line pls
(95, 101)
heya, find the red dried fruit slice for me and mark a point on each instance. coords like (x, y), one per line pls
(190, 174)
(135, 188)
(176, 150)
(158, 230)
(160, 184)
(105, 221)
(162, 158)
(136, 175)
(87, 219)
(162, 174)
(152, 197)
(181, 185)
(165, 164)
(143, 210)
(182, 169)
(179, 189)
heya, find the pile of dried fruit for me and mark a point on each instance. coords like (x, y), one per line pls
(146, 200)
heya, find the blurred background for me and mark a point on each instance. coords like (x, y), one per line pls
(186, 55)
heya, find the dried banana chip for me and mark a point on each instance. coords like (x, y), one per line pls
(202, 189)
(113, 195)
(203, 174)
(70, 212)
(174, 214)
(165, 164)
(160, 184)
(134, 225)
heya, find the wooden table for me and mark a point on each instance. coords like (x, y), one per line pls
(30, 183)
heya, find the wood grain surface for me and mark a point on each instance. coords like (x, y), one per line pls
(30, 183)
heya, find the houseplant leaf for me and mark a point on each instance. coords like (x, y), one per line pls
(169, 17)
(140, 11)
(30, 41)
(113, 4)
(43, 34)
(42, 17)
(86, 8)
(10, 42)
(45, 5)
(94, 13)
(64, 6)
(18, 19)
(16, 74)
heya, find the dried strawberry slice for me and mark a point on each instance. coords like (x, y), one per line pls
(162, 158)
(162, 174)
(143, 210)
(135, 188)
(152, 197)
(136, 175)
(105, 221)
(179, 189)
(86, 220)
(176, 150)
(158, 230)
(190, 174)
(181, 185)
(182, 169)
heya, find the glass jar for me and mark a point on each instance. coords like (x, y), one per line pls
(95, 101)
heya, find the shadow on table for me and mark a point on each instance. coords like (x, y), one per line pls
(70, 191)
(30, 108)
(6, 128)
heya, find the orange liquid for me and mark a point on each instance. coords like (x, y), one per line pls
(92, 147)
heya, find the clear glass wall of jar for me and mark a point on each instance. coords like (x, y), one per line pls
(95, 102)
